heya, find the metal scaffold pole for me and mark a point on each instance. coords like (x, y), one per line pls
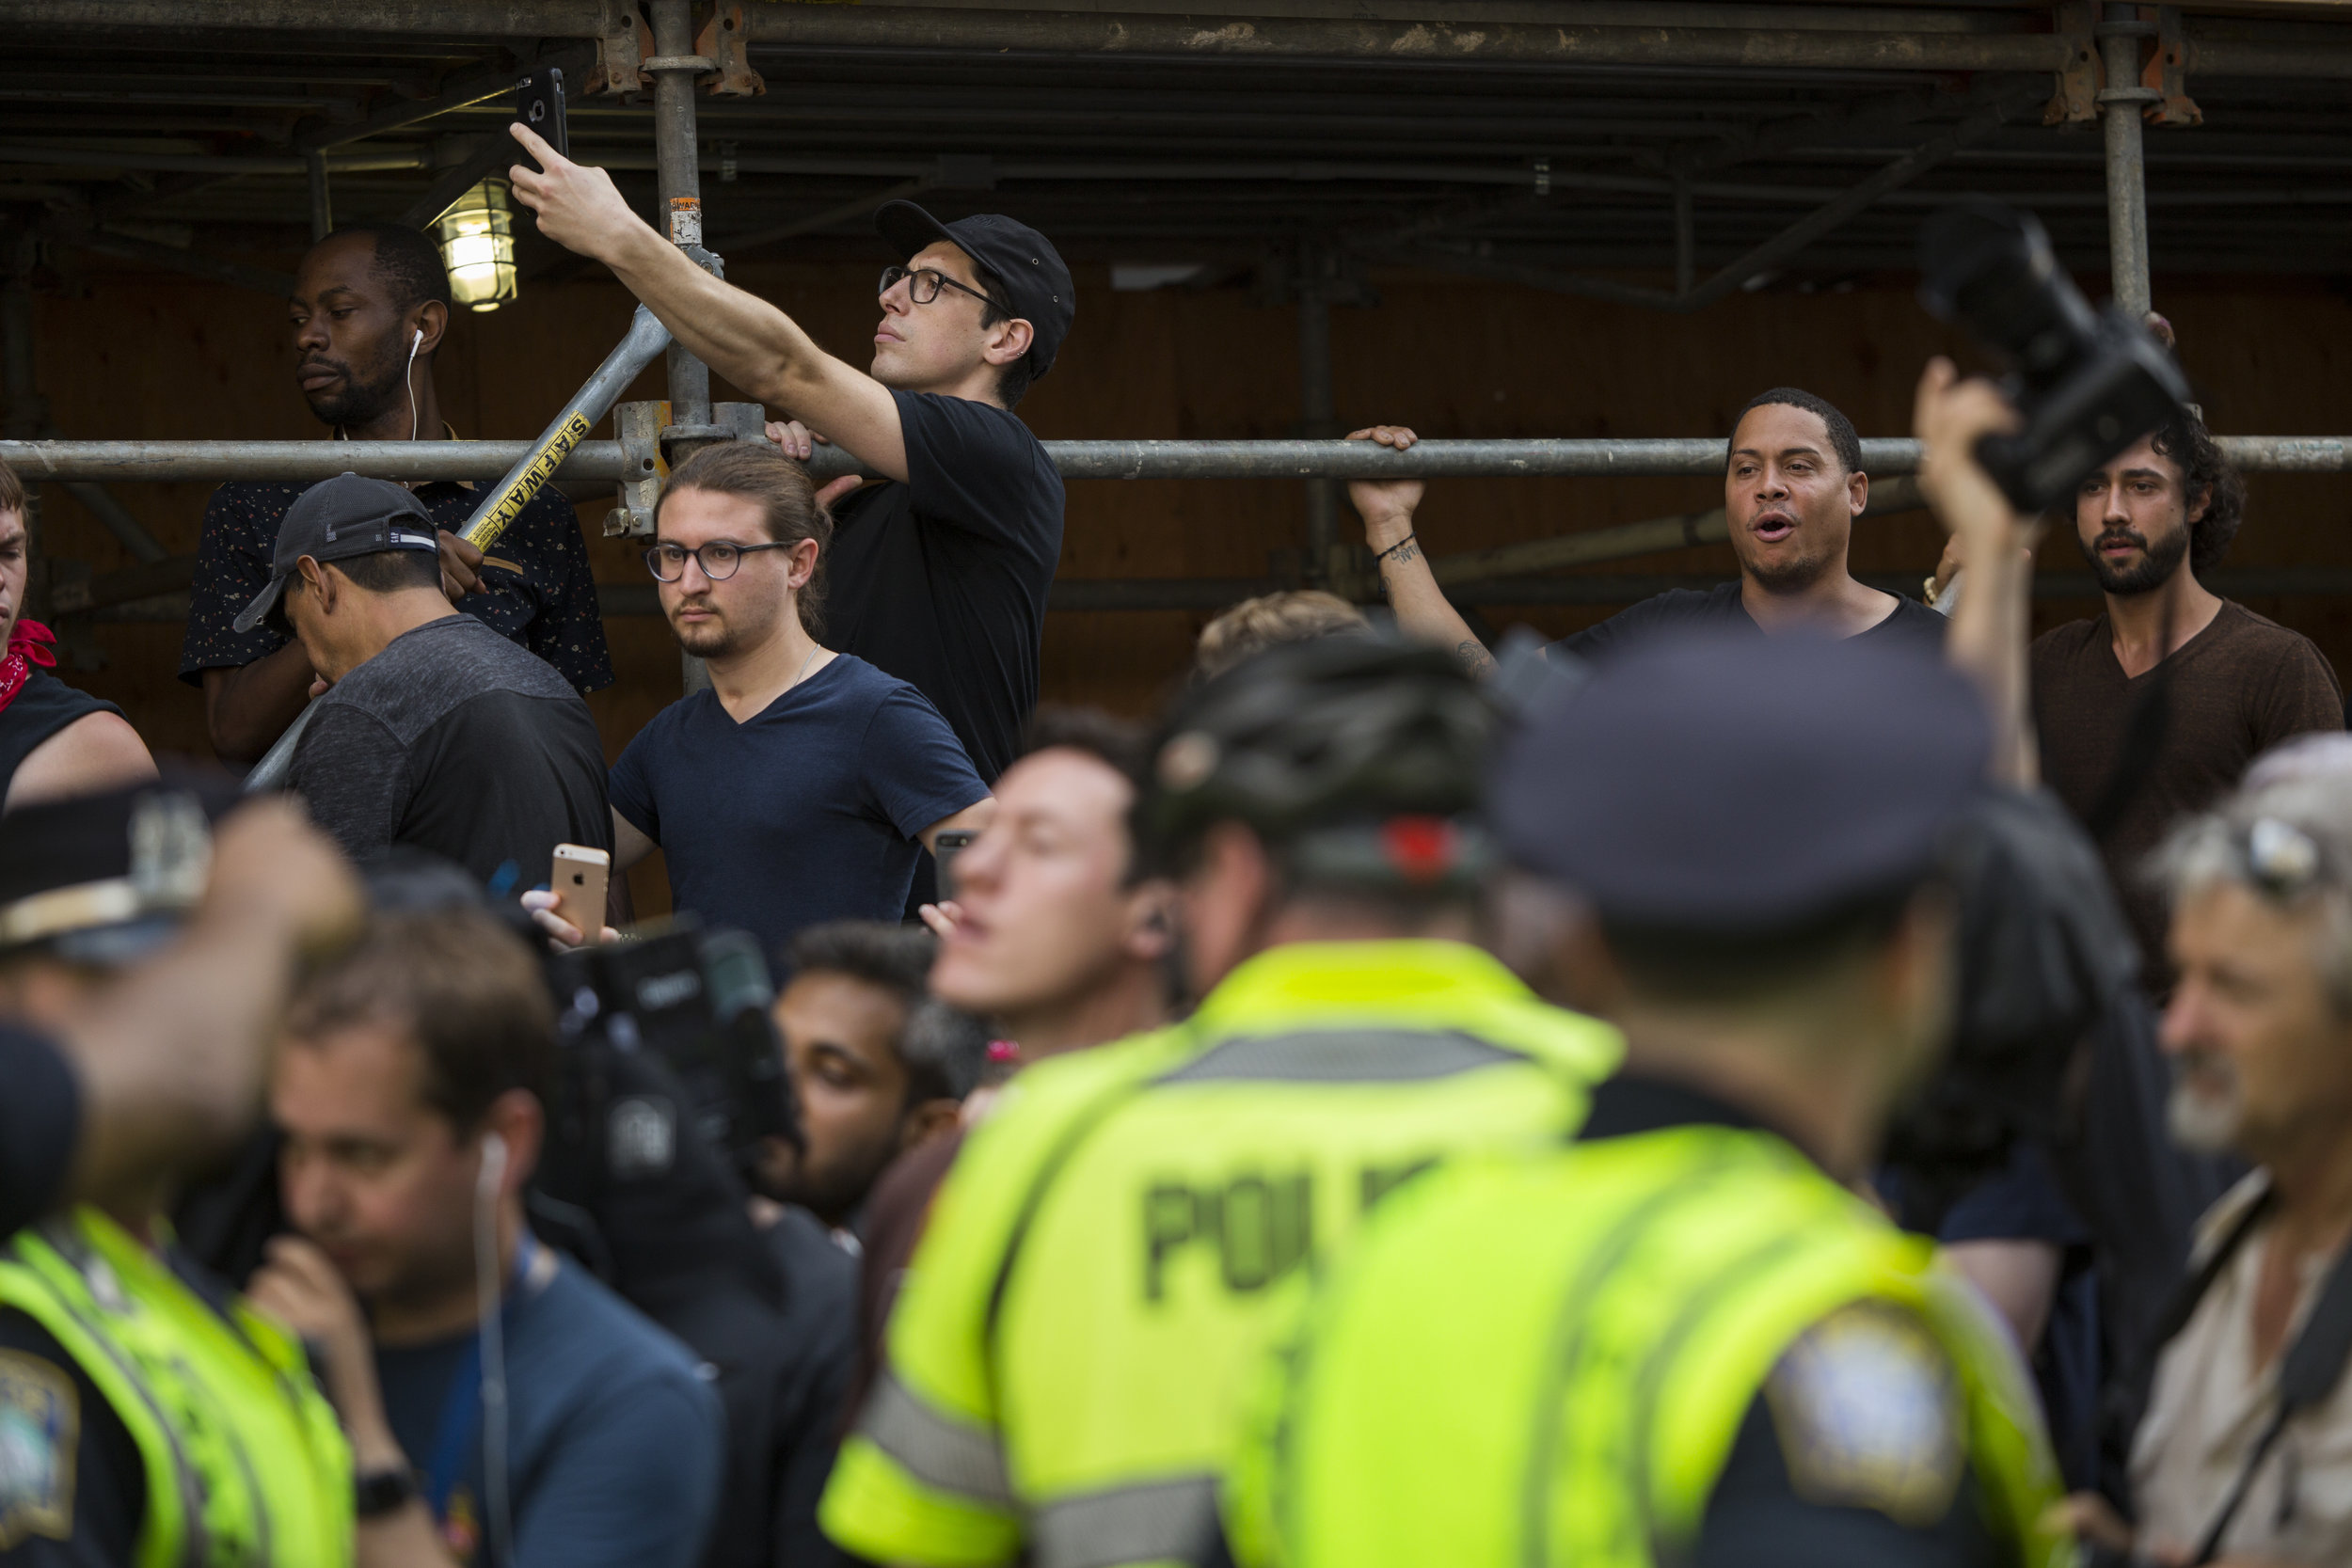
(2119, 101)
(678, 178)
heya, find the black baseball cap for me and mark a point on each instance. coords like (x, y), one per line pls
(1023, 259)
(337, 519)
(1724, 785)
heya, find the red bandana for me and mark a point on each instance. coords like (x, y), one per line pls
(28, 645)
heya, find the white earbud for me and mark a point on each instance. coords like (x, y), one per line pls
(493, 1165)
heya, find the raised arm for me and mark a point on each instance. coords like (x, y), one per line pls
(1988, 634)
(1422, 611)
(740, 336)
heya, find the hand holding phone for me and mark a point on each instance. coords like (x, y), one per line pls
(578, 877)
(539, 103)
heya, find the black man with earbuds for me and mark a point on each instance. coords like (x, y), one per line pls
(370, 309)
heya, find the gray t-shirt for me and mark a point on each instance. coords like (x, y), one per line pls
(454, 740)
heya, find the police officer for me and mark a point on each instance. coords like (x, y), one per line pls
(147, 1416)
(1682, 1338)
(1112, 1246)
(165, 1068)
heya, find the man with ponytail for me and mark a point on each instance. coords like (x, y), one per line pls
(799, 787)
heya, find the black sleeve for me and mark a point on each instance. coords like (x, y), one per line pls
(66, 1501)
(233, 564)
(1757, 1519)
(40, 1120)
(354, 775)
(568, 630)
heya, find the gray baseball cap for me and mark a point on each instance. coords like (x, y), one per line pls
(337, 519)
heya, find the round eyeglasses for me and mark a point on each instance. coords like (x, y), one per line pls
(719, 559)
(924, 284)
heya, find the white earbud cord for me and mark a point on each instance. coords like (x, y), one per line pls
(489, 1284)
(408, 379)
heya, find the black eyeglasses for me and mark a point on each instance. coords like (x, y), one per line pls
(925, 284)
(719, 559)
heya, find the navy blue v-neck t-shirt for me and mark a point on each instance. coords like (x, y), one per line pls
(805, 812)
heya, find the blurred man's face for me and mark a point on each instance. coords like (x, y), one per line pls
(380, 1180)
(734, 614)
(351, 337)
(1046, 912)
(2262, 1059)
(15, 552)
(1791, 503)
(919, 347)
(841, 1048)
(2131, 518)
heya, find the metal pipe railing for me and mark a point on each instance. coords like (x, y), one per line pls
(299, 462)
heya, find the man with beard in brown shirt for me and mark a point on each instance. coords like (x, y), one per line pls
(2153, 709)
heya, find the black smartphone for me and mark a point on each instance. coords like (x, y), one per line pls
(945, 849)
(539, 103)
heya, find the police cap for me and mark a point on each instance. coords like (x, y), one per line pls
(1713, 783)
(104, 878)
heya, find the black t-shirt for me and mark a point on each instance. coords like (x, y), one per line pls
(45, 704)
(538, 589)
(805, 812)
(941, 580)
(815, 1350)
(455, 741)
(41, 1118)
(1720, 608)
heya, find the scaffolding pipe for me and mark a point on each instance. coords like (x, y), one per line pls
(2120, 103)
(1634, 33)
(1317, 404)
(679, 194)
(797, 26)
(301, 462)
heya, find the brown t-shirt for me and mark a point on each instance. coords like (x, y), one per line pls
(2235, 690)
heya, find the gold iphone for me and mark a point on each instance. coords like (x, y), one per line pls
(578, 879)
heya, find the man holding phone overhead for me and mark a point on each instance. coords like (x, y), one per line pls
(940, 575)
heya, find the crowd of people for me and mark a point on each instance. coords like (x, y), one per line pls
(1789, 1074)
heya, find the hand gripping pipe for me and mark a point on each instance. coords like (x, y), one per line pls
(645, 342)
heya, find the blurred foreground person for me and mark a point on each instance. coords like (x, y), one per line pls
(1113, 1246)
(503, 1407)
(147, 1413)
(1683, 1338)
(1058, 933)
(2244, 1453)
(1793, 485)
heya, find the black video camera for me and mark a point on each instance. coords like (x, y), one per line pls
(2088, 383)
(692, 1000)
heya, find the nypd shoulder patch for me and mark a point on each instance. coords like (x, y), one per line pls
(40, 1421)
(1869, 1415)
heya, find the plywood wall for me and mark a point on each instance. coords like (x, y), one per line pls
(132, 355)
